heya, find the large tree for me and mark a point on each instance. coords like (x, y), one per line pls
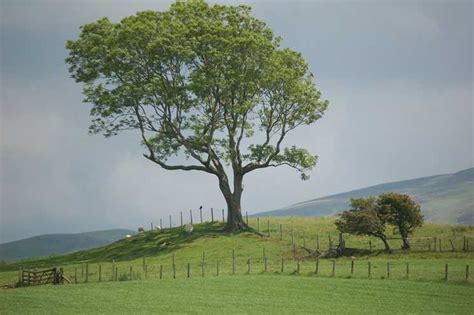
(207, 82)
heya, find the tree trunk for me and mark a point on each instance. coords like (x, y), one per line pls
(384, 240)
(235, 221)
(406, 242)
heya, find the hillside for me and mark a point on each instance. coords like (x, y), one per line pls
(48, 244)
(443, 198)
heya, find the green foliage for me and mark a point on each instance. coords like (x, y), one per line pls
(363, 219)
(368, 216)
(402, 212)
(204, 81)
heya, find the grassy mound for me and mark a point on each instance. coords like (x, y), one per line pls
(208, 249)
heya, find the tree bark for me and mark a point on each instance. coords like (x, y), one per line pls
(406, 242)
(235, 221)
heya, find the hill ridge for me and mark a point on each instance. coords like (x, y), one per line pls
(435, 193)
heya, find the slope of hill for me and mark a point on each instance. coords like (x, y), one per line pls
(44, 245)
(443, 198)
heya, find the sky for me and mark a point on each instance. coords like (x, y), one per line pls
(398, 75)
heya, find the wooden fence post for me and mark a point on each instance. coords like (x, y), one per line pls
(298, 267)
(131, 273)
(20, 275)
(146, 271)
(268, 227)
(408, 270)
(352, 266)
(467, 273)
(370, 246)
(248, 263)
(82, 270)
(87, 272)
(100, 272)
(446, 272)
(330, 241)
(189, 270)
(316, 271)
(217, 268)
(388, 270)
(304, 240)
(439, 243)
(200, 214)
(174, 268)
(435, 243)
(233, 262)
(281, 233)
(116, 273)
(212, 214)
(464, 243)
(369, 270)
(143, 263)
(333, 268)
(161, 272)
(191, 216)
(282, 265)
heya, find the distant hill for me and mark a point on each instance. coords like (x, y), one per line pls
(48, 244)
(443, 198)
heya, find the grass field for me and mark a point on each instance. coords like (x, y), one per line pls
(244, 294)
(159, 246)
(217, 281)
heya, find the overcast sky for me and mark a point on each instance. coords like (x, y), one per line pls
(398, 75)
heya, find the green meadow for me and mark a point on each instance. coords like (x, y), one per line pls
(267, 270)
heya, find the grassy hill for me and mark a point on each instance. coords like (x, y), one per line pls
(155, 271)
(45, 245)
(443, 198)
(209, 245)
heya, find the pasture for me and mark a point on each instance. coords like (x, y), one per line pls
(247, 272)
(244, 294)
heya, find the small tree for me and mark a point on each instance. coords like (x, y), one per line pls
(402, 212)
(363, 219)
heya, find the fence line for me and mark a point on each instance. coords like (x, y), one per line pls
(382, 269)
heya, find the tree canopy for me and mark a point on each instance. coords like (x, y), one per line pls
(369, 216)
(208, 82)
(402, 212)
(363, 219)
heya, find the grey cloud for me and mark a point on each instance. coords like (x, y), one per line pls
(398, 75)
